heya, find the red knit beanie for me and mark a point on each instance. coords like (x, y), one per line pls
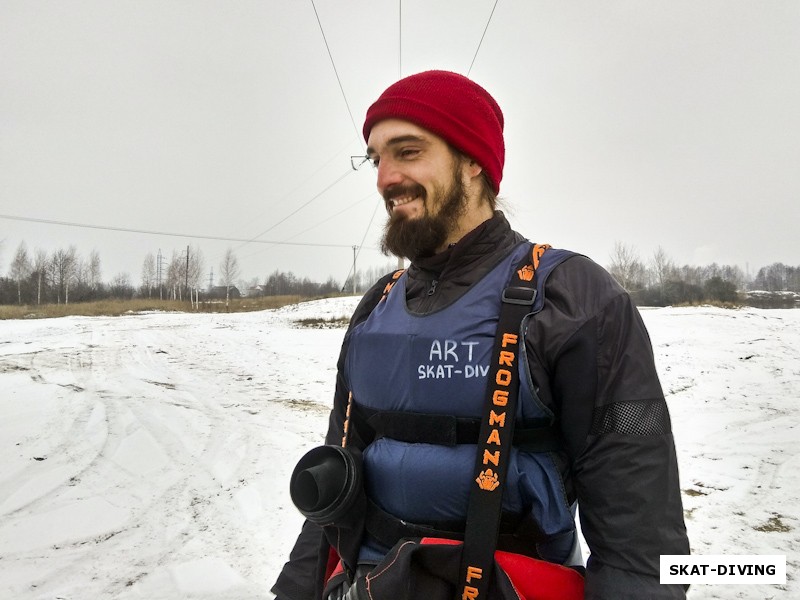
(453, 107)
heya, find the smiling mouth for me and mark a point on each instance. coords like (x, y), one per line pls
(400, 195)
(395, 202)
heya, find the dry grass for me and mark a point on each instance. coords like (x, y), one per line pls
(715, 303)
(774, 524)
(137, 305)
(329, 323)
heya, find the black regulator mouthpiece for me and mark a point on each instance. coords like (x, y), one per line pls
(327, 484)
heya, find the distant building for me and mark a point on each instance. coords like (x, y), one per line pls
(218, 292)
(257, 291)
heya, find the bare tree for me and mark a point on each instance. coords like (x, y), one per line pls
(20, 268)
(40, 268)
(772, 278)
(87, 275)
(62, 271)
(372, 274)
(229, 271)
(121, 286)
(196, 267)
(93, 270)
(735, 275)
(692, 275)
(626, 267)
(176, 275)
(663, 268)
(149, 273)
(183, 274)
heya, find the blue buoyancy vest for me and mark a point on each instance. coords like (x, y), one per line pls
(437, 364)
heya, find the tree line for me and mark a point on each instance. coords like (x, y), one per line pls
(62, 276)
(65, 276)
(659, 281)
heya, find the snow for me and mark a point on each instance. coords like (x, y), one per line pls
(147, 456)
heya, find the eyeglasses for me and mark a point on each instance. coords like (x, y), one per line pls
(358, 161)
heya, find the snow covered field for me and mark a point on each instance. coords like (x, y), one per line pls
(148, 456)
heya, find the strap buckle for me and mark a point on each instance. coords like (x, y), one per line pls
(519, 295)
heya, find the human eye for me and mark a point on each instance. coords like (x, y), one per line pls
(408, 153)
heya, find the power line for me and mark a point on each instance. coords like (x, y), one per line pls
(400, 40)
(330, 218)
(302, 206)
(371, 219)
(282, 199)
(482, 36)
(290, 215)
(329, 186)
(352, 269)
(333, 216)
(166, 233)
(347, 104)
(341, 87)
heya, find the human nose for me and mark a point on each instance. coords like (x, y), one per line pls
(388, 174)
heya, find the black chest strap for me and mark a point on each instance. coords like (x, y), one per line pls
(447, 430)
(517, 532)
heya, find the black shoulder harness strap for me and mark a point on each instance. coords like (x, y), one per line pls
(496, 432)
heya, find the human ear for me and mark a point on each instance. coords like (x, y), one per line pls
(472, 170)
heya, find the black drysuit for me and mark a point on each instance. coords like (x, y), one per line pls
(592, 363)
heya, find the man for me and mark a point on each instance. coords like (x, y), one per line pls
(436, 140)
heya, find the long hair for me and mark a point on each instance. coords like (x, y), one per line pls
(488, 191)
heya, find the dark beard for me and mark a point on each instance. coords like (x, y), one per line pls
(423, 236)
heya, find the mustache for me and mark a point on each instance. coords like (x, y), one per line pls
(399, 190)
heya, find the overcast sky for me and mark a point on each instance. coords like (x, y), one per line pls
(672, 123)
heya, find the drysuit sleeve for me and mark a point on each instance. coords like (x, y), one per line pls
(302, 576)
(614, 419)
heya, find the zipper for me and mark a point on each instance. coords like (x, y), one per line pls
(432, 289)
